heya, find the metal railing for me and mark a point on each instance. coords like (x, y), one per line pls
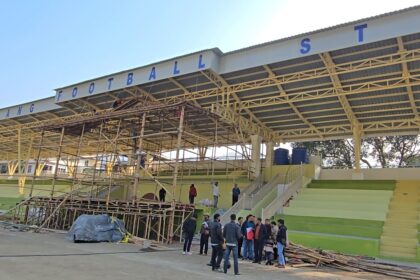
(257, 191)
(243, 199)
(261, 193)
(292, 185)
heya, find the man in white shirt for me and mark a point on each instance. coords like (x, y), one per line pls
(215, 190)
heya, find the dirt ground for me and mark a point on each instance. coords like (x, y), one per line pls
(47, 256)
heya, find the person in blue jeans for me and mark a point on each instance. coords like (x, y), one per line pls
(281, 243)
(248, 231)
(232, 234)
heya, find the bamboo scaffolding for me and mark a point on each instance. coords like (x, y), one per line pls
(100, 141)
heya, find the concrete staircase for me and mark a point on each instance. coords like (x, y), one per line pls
(399, 237)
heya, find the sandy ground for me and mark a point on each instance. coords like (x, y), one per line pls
(47, 256)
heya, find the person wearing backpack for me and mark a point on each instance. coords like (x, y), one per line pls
(192, 193)
(204, 235)
(281, 243)
(248, 232)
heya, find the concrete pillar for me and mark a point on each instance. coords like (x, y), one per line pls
(256, 155)
(357, 133)
(269, 154)
(357, 149)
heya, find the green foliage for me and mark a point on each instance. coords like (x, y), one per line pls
(394, 150)
(389, 151)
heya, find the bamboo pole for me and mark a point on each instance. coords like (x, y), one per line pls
(79, 145)
(96, 160)
(138, 152)
(113, 162)
(60, 148)
(178, 146)
(37, 162)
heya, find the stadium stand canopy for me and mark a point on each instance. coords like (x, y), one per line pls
(360, 78)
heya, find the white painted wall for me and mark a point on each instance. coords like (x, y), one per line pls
(372, 174)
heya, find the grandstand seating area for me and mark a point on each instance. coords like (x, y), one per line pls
(360, 217)
(400, 232)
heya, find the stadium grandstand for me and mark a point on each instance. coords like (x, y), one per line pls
(109, 144)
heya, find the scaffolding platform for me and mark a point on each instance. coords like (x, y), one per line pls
(160, 221)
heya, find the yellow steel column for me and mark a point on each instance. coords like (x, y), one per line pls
(22, 177)
(38, 167)
(269, 154)
(357, 143)
(256, 155)
(19, 151)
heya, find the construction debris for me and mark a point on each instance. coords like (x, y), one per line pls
(299, 256)
(147, 243)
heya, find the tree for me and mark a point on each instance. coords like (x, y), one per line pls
(394, 151)
(389, 151)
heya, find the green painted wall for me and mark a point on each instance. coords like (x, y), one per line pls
(270, 172)
(12, 190)
(354, 184)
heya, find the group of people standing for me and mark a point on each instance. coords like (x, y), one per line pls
(247, 239)
(192, 194)
(269, 238)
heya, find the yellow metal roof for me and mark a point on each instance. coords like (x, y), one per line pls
(374, 86)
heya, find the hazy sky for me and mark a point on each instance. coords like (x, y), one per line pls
(49, 44)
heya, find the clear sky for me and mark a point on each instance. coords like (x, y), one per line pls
(49, 44)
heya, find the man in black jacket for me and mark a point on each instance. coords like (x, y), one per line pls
(259, 240)
(188, 228)
(281, 243)
(162, 194)
(204, 235)
(232, 233)
(216, 239)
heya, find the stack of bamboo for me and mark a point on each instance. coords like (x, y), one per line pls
(299, 256)
(146, 243)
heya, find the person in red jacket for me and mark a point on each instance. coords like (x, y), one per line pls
(192, 193)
